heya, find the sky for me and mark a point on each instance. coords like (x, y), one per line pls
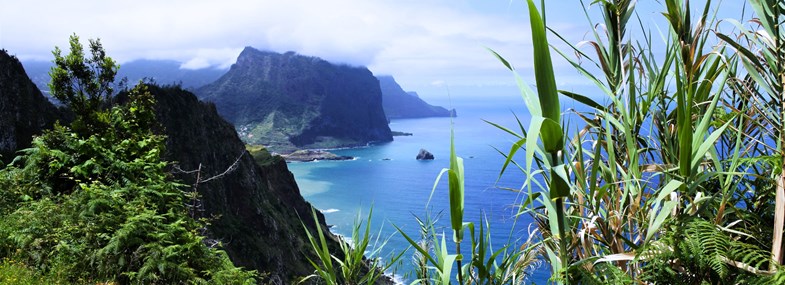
(428, 46)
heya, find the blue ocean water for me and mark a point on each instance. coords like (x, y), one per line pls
(388, 178)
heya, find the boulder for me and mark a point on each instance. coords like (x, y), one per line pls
(424, 155)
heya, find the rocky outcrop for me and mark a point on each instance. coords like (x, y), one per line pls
(256, 208)
(289, 101)
(399, 104)
(24, 111)
(424, 155)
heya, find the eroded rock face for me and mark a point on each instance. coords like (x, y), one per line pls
(424, 155)
(256, 208)
(289, 101)
(24, 111)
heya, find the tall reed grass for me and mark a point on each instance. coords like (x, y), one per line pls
(679, 179)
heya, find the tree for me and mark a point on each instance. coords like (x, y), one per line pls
(96, 202)
(83, 84)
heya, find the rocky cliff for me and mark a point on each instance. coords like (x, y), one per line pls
(288, 101)
(399, 104)
(256, 208)
(24, 111)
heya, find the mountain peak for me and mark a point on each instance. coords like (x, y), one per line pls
(289, 101)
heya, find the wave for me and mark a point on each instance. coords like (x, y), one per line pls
(327, 211)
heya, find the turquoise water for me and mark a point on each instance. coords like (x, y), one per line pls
(388, 177)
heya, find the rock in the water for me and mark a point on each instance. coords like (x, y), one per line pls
(401, 134)
(424, 155)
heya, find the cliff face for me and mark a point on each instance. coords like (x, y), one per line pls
(288, 101)
(256, 207)
(399, 104)
(253, 209)
(24, 111)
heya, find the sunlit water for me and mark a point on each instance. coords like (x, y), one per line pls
(388, 178)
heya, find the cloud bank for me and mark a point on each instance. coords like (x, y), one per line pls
(419, 42)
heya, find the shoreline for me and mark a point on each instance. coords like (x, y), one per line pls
(323, 154)
(309, 155)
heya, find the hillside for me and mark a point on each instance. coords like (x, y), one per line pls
(257, 206)
(24, 111)
(253, 209)
(400, 104)
(289, 101)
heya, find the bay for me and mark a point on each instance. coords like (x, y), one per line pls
(388, 178)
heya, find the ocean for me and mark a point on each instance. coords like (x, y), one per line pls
(388, 178)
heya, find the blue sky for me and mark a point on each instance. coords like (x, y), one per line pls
(426, 45)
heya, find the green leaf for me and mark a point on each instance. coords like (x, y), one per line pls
(552, 136)
(531, 99)
(500, 58)
(697, 156)
(513, 150)
(667, 190)
(583, 99)
(543, 67)
(659, 219)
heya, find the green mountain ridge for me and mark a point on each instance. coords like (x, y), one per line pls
(258, 207)
(289, 101)
(254, 209)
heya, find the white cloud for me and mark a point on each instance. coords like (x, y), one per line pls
(419, 42)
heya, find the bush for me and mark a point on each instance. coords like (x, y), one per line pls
(98, 204)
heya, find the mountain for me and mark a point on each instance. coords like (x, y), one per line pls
(24, 111)
(289, 101)
(400, 104)
(160, 71)
(253, 208)
(168, 72)
(256, 207)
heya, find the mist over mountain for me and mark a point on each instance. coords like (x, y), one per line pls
(165, 72)
(289, 101)
(399, 104)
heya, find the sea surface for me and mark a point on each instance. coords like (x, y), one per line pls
(388, 178)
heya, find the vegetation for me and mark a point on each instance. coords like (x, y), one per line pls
(357, 262)
(261, 155)
(678, 180)
(674, 180)
(289, 101)
(93, 201)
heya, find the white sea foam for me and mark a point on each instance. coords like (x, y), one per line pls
(397, 279)
(327, 211)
